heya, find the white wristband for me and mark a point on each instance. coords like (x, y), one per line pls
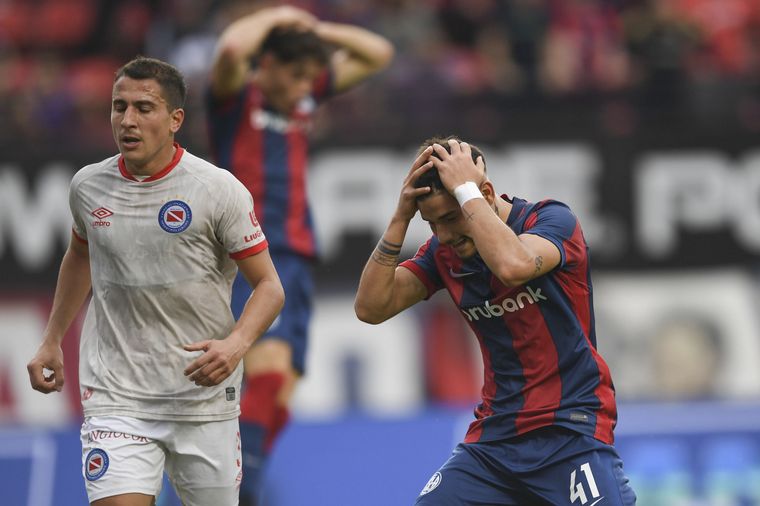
(467, 191)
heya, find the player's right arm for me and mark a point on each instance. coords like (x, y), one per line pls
(221, 356)
(242, 39)
(385, 289)
(70, 293)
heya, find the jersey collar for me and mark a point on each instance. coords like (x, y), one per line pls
(518, 208)
(179, 151)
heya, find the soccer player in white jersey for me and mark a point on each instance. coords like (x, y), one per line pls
(157, 235)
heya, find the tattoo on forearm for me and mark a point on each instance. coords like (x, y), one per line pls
(386, 253)
(468, 216)
(383, 259)
(390, 244)
(539, 263)
(389, 248)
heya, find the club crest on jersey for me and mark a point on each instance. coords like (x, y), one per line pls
(96, 464)
(175, 216)
(432, 483)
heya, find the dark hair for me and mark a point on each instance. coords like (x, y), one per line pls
(290, 45)
(431, 177)
(170, 79)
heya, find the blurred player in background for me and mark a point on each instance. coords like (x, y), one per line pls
(519, 273)
(157, 236)
(259, 116)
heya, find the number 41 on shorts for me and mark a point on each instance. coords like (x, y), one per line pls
(578, 491)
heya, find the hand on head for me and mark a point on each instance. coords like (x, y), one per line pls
(293, 17)
(407, 204)
(457, 167)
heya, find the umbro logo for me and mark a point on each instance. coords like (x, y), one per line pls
(459, 274)
(101, 214)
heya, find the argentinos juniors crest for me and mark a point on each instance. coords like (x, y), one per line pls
(96, 464)
(175, 216)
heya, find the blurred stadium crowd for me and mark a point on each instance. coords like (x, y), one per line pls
(628, 57)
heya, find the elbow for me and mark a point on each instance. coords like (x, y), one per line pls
(366, 314)
(385, 54)
(230, 52)
(510, 276)
(280, 297)
(376, 58)
(275, 294)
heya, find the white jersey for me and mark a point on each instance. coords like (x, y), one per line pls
(162, 256)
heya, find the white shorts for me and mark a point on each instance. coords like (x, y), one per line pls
(123, 455)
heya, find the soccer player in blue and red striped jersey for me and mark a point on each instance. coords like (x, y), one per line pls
(519, 273)
(270, 71)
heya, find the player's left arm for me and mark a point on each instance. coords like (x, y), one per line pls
(361, 53)
(221, 357)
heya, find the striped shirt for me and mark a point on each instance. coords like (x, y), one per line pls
(538, 343)
(268, 152)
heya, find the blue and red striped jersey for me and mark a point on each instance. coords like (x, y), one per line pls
(268, 152)
(541, 366)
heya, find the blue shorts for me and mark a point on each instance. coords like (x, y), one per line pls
(292, 324)
(550, 466)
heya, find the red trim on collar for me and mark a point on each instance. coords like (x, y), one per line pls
(158, 175)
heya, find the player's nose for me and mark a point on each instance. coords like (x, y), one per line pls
(304, 88)
(445, 234)
(128, 117)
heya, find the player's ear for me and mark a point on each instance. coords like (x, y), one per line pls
(486, 188)
(177, 117)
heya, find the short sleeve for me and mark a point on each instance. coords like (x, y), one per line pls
(238, 229)
(78, 226)
(555, 222)
(423, 265)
